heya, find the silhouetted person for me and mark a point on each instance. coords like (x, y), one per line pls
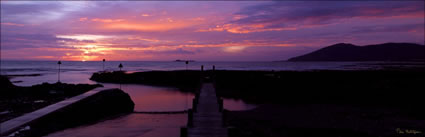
(103, 65)
(120, 66)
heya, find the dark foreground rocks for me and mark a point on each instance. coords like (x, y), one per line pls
(310, 87)
(185, 80)
(305, 87)
(16, 101)
(363, 103)
(372, 103)
(327, 120)
(5, 83)
(104, 105)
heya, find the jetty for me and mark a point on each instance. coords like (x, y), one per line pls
(12, 125)
(206, 118)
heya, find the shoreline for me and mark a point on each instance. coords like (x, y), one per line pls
(41, 109)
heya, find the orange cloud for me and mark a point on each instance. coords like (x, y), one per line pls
(84, 37)
(233, 49)
(198, 19)
(147, 26)
(83, 19)
(237, 17)
(45, 57)
(144, 39)
(12, 24)
(237, 45)
(146, 15)
(234, 28)
(107, 20)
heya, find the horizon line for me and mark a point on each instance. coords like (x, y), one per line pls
(150, 60)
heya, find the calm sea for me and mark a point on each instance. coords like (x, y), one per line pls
(79, 72)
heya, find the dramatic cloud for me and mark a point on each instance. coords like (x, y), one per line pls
(293, 15)
(225, 30)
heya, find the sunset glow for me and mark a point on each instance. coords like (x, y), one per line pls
(209, 31)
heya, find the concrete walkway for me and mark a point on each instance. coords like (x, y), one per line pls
(207, 119)
(9, 126)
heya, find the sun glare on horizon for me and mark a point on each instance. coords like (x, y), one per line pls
(245, 31)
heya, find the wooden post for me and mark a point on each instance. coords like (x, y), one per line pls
(220, 104)
(194, 104)
(232, 131)
(213, 74)
(224, 113)
(59, 71)
(197, 95)
(190, 118)
(183, 132)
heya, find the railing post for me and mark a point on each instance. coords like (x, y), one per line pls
(183, 132)
(194, 104)
(220, 104)
(190, 118)
(232, 131)
(224, 117)
(197, 95)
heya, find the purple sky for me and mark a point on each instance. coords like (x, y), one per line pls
(207, 31)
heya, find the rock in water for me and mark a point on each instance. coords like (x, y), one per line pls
(5, 82)
(111, 101)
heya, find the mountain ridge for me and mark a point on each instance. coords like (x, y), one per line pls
(376, 52)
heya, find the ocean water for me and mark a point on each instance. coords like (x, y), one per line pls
(79, 72)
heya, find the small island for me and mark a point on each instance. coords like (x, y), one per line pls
(178, 60)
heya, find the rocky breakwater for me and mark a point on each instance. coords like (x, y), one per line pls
(106, 104)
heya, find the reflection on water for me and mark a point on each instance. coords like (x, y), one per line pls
(65, 77)
(147, 98)
(133, 125)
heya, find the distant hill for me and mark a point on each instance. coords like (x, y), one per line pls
(380, 52)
